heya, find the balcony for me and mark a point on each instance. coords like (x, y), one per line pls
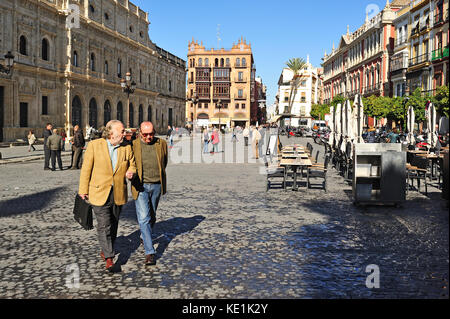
(419, 59)
(221, 79)
(240, 97)
(438, 18)
(439, 54)
(372, 88)
(203, 79)
(398, 62)
(243, 66)
(223, 96)
(240, 79)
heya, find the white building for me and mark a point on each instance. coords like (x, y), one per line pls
(303, 98)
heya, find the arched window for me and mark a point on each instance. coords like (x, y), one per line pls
(206, 62)
(244, 62)
(170, 86)
(23, 45)
(149, 113)
(216, 62)
(75, 58)
(92, 64)
(106, 112)
(227, 62)
(93, 113)
(222, 62)
(76, 111)
(106, 67)
(141, 114)
(200, 62)
(119, 68)
(238, 62)
(45, 49)
(120, 111)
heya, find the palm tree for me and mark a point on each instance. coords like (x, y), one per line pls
(295, 65)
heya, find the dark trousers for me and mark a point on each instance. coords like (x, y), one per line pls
(76, 156)
(246, 140)
(46, 157)
(107, 225)
(56, 155)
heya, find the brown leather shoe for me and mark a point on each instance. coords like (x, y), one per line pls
(109, 264)
(150, 260)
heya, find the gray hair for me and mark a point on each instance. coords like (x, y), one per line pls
(108, 128)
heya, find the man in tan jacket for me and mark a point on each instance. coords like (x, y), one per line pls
(102, 181)
(149, 183)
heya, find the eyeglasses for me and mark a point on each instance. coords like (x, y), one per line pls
(147, 134)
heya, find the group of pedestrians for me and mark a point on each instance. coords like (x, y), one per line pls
(107, 164)
(54, 144)
(212, 139)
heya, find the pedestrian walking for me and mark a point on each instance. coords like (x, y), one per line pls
(246, 133)
(205, 140)
(47, 133)
(77, 147)
(256, 137)
(54, 144)
(262, 132)
(31, 140)
(103, 175)
(170, 136)
(215, 141)
(234, 137)
(63, 135)
(149, 183)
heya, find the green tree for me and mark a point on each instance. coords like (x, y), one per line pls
(295, 65)
(440, 100)
(418, 102)
(318, 111)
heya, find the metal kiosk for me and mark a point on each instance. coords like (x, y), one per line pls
(379, 174)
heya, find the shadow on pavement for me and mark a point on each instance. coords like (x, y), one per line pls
(163, 233)
(28, 203)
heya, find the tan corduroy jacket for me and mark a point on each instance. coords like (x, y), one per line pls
(97, 176)
(161, 152)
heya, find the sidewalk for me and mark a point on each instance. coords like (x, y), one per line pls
(17, 154)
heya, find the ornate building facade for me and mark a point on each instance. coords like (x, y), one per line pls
(68, 67)
(223, 82)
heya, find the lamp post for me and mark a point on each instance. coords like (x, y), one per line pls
(9, 63)
(194, 100)
(128, 86)
(219, 106)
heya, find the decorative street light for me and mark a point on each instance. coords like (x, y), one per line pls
(219, 106)
(9, 63)
(194, 99)
(128, 86)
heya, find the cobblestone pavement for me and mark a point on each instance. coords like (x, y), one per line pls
(219, 234)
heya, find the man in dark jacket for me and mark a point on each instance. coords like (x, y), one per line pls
(47, 133)
(54, 144)
(77, 147)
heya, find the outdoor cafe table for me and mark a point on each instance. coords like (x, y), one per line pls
(295, 163)
(433, 158)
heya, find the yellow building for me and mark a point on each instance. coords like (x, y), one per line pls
(220, 84)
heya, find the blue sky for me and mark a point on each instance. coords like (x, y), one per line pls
(277, 30)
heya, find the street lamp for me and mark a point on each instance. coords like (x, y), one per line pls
(194, 99)
(128, 86)
(219, 106)
(9, 62)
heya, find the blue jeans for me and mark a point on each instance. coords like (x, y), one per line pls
(205, 147)
(171, 140)
(146, 205)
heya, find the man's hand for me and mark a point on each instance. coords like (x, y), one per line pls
(84, 196)
(129, 175)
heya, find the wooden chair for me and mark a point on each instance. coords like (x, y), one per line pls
(417, 170)
(318, 172)
(275, 171)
